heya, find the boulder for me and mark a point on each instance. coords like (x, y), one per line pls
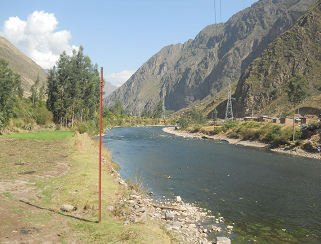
(223, 240)
(68, 208)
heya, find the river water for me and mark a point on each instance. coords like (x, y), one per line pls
(271, 196)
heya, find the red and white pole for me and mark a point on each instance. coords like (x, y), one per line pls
(100, 129)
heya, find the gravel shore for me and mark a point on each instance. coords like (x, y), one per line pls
(184, 221)
(223, 137)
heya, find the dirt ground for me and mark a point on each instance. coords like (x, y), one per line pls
(22, 164)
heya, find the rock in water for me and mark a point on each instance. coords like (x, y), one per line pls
(223, 240)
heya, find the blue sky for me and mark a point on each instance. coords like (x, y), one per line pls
(119, 35)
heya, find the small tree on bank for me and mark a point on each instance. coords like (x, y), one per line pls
(297, 91)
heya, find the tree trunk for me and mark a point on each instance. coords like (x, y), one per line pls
(293, 123)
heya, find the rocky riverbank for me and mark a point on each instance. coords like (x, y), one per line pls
(184, 221)
(223, 137)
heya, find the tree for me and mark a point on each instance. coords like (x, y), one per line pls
(297, 91)
(158, 111)
(73, 88)
(34, 92)
(197, 116)
(10, 89)
(117, 109)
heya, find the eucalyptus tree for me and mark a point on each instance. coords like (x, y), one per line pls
(10, 89)
(73, 88)
(297, 91)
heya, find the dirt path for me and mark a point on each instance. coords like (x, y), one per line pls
(22, 164)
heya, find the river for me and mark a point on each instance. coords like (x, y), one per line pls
(271, 196)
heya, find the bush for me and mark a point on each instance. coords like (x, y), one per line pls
(248, 133)
(184, 122)
(43, 115)
(82, 128)
(274, 133)
(1, 119)
(217, 130)
(253, 124)
(196, 129)
(229, 125)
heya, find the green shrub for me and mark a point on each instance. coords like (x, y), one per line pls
(253, 124)
(230, 124)
(196, 129)
(217, 130)
(43, 115)
(274, 133)
(184, 122)
(1, 119)
(248, 133)
(82, 128)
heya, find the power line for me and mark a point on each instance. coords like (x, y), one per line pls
(220, 11)
(215, 11)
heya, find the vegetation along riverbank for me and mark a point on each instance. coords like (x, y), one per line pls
(263, 135)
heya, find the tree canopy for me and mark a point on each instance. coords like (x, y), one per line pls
(10, 88)
(73, 88)
(297, 89)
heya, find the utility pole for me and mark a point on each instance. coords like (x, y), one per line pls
(100, 129)
(229, 109)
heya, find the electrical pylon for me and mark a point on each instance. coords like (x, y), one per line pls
(229, 109)
(164, 103)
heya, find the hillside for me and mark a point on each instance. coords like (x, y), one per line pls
(261, 89)
(200, 68)
(108, 89)
(21, 64)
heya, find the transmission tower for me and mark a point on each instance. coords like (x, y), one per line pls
(164, 103)
(229, 109)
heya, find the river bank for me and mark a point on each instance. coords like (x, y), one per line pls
(186, 222)
(224, 137)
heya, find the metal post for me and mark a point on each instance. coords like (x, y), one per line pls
(100, 129)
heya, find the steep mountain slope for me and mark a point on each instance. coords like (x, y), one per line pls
(21, 64)
(261, 88)
(200, 68)
(108, 89)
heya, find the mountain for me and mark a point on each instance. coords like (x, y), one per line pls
(261, 88)
(21, 64)
(108, 89)
(185, 74)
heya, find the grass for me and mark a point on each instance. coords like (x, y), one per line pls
(43, 135)
(41, 153)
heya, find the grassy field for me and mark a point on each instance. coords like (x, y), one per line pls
(43, 135)
(41, 172)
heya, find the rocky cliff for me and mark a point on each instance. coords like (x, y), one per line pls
(261, 88)
(198, 69)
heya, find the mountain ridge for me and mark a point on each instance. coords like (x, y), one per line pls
(298, 50)
(185, 74)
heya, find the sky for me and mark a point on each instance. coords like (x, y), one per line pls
(118, 35)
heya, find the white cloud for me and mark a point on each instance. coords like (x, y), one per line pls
(36, 37)
(119, 78)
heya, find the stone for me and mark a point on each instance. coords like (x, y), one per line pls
(229, 227)
(177, 224)
(110, 208)
(223, 240)
(169, 216)
(68, 208)
(178, 199)
(142, 218)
